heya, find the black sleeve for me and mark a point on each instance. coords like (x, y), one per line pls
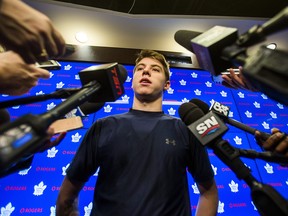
(84, 163)
(200, 166)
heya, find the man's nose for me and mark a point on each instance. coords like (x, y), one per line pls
(146, 72)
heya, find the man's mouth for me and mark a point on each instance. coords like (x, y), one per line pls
(145, 81)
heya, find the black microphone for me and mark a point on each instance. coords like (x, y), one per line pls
(258, 32)
(110, 76)
(208, 129)
(89, 107)
(220, 47)
(223, 111)
(184, 37)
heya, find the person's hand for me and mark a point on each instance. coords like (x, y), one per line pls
(17, 77)
(29, 32)
(277, 142)
(237, 81)
(51, 143)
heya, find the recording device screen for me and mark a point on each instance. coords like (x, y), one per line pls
(42, 180)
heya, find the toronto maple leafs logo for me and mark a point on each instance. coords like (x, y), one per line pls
(107, 109)
(233, 187)
(223, 93)
(269, 168)
(77, 77)
(182, 82)
(53, 211)
(128, 79)
(25, 171)
(87, 209)
(64, 169)
(51, 153)
(67, 67)
(7, 210)
(197, 92)
(171, 111)
(241, 95)
(220, 209)
(194, 75)
(170, 91)
(195, 189)
(76, 137)
(51, 106)
(40, 93)
(214, 169)
(39, 189)
(208, 84)
(59, 85)
(237, 140)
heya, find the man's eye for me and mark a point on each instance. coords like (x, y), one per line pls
(139, 69)
(156, 69)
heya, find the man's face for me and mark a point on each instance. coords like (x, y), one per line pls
(149, 79)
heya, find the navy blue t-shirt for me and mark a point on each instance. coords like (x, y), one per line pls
(143, 158)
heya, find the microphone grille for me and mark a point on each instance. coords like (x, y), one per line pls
(201, 104)
(184, 37)
(189, 113)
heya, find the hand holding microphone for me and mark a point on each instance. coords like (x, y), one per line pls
(276, 142)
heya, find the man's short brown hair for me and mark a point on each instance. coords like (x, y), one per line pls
(155, 55)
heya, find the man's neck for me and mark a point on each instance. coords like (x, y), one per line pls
(151, 106)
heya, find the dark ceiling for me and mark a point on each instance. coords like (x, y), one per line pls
(238, 8)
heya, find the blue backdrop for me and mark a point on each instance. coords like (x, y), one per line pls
(34, 191)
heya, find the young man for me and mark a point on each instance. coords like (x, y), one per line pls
(143, 156)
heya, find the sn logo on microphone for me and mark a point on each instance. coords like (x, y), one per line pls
(208, 126)
(220, 108)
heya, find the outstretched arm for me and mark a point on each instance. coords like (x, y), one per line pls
(67, 201)
(208, 200)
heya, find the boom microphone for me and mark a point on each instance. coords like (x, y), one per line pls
(223, 111)
(184, 37)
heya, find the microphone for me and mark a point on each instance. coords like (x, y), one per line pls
(220, 47)
(26, 134)
(209, 49)
(208, 129)
(184, 37)
(110, 76)
(223, 111)
(89, 107)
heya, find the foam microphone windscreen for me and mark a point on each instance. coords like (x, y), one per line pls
(201, 104)
(184, 37)
(189, 113)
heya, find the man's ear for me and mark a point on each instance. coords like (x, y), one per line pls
(167, 85)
